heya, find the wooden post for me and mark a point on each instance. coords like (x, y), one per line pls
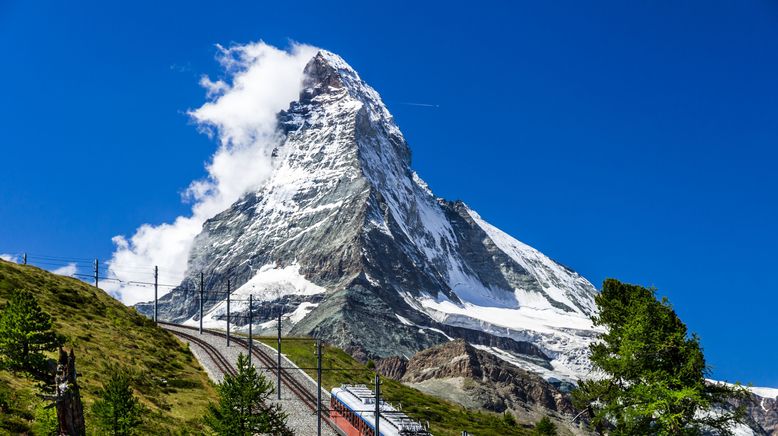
(278, 373)
(318, 387)
(201, 302)
(156, 283)
(251, 310)
(377, 403)
(228, 312)
(97, 272)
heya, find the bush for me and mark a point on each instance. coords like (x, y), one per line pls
(46, 423)
(545, 427)
(15, 409)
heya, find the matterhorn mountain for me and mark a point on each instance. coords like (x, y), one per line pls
(349, 244)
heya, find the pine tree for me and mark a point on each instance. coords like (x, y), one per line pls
(655, 371)
(117, 412)
(244, 407)
(25, 333)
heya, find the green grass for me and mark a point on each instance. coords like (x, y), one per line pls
(445, 418)
(104, 333)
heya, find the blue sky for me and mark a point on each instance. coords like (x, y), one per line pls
(634, 140)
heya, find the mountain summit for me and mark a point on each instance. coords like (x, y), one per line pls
(350, 245)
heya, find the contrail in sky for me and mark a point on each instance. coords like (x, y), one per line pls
(418, 104)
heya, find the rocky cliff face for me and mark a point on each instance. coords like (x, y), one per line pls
(763, 415)
(393, 367)
(475, 378)
(347, 243)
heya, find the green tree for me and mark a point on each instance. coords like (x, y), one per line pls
(654, 370)
(117, 411)
(243, 407)
(545, 427)
(25, 333)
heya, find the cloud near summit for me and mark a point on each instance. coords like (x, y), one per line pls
(240, 114)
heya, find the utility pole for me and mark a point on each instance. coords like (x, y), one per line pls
(251, 310)
(97, 272)
(377, 402)
(201, 302)
(24, 259)
(318, 387)
(278, 373)
(156, 284)
(228, 312)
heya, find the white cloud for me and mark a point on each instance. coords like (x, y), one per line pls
(8, 257)
(67, 270)
(240, 112)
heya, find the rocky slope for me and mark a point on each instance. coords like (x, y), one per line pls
(349, 244)
(763, 414)
(475, 378)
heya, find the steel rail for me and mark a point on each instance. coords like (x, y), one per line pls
(294, 385)
(216, 356)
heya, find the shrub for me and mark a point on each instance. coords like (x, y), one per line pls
(545, 427)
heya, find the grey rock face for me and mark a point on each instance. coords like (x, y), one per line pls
(393, 367)
(484, 378)
(388, 268)
(762, 415)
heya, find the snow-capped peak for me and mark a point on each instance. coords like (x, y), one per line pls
(337, 63)
(344, 209)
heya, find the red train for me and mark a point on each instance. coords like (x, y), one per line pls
(352, 409)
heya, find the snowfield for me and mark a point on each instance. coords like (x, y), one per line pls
(270, 283)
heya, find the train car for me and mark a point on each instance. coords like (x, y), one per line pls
(352, 409)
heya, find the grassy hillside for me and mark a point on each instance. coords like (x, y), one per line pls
(445, 418)
(104, 333)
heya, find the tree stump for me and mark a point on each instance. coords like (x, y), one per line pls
(70, 411)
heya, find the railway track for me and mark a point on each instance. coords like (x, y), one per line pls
(216, 356)
(291, 383)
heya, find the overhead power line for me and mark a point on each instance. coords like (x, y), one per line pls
(82, 262)
(69, 259)
(127, 282)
